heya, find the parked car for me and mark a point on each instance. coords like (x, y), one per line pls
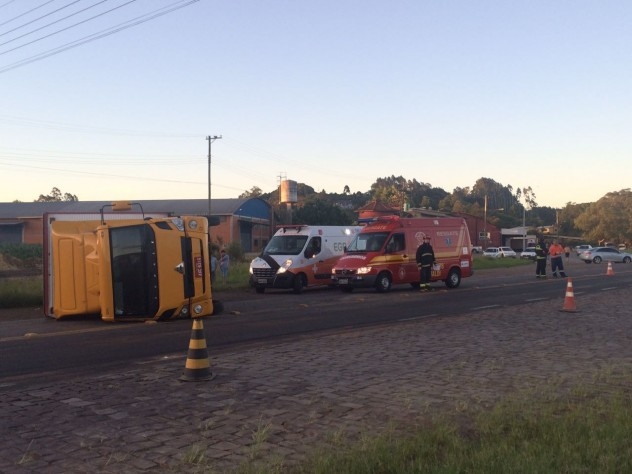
(529, 253)
(605, 254)
(477, 249)
(499, 252)
(582, 248)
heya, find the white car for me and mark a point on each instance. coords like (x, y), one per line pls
(582, 248)
(529, 253)
(499, 252)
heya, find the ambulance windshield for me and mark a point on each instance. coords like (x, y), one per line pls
(285, 245)
(368, 242)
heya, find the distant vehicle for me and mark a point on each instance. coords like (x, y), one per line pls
(528, 253)
(477, 249)
(622, 247)
(582, 248)
(499, 252)
(605, 254)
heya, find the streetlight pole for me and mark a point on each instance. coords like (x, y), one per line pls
(485, 223)
(210, 139)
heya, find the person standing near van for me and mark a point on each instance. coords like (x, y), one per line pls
(425, 258)
(224, 260)
(556, 251)
(540, 259)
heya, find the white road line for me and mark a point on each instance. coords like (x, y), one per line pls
(486, 307)
(418, 317)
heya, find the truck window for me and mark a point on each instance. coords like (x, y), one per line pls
(367, 242)
(396, 243)
(285, 245)
(134, 270)
(313, 248)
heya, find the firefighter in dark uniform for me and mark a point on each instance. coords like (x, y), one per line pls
(425, 258)
(540, 259)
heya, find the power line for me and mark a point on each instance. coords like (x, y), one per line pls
(63, 29)
(99, 35)
(26, 13)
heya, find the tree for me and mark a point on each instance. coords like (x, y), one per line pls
(56, 196)
(317, 211)
(255, 191)
(608, 219)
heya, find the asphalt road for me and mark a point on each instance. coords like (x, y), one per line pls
(35, 346)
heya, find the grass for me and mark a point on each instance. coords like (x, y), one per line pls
(21, 292)
(484, 263)
(552, 434)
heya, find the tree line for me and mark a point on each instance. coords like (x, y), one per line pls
(610, 218)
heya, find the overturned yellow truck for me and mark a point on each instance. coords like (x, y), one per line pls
(125, 265)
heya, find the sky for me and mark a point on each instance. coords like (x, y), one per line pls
(115, 99)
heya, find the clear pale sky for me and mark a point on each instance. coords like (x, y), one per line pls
(328, 93)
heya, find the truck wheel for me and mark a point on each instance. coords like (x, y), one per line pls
(299, 283)
(454, 278)
(260, 289)
(383, 282)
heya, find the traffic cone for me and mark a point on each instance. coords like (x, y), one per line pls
(569, 300)
(610, 271)
(197, 367)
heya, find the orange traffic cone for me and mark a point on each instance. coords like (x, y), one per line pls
(610, 270)
(569, 300)
(197, 367)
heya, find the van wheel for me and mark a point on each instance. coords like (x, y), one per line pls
(454, 278)
(260, 289)
(299, 283)
(383, 282)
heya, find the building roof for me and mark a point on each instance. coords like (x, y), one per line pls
(252, 207)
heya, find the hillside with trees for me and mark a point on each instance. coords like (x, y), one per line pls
(609, 219)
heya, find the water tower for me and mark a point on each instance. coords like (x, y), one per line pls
(288, 195)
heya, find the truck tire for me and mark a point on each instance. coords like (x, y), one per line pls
(453, 279)
(383, 282)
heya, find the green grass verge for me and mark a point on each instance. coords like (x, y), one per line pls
(21, 292)
(568, 434)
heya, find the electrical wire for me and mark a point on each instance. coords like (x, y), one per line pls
(99, 35)
(25, 13)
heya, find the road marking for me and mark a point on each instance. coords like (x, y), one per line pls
(414, 318)
(487, 307)
(531, 300)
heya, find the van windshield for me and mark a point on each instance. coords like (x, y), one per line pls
(368, 242)
(285, 245)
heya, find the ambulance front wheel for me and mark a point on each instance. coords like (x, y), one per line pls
(299, 283)
(454, 278)
(383, 282)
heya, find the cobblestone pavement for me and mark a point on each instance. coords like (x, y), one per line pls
(277, 401)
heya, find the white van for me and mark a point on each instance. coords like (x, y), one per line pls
(300, 255)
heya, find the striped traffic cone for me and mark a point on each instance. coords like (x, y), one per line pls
(569, 300)
(610, 271)
(197, 367)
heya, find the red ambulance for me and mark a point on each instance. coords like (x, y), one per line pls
(383, 253)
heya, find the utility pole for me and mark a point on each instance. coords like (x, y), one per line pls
(211, 139)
